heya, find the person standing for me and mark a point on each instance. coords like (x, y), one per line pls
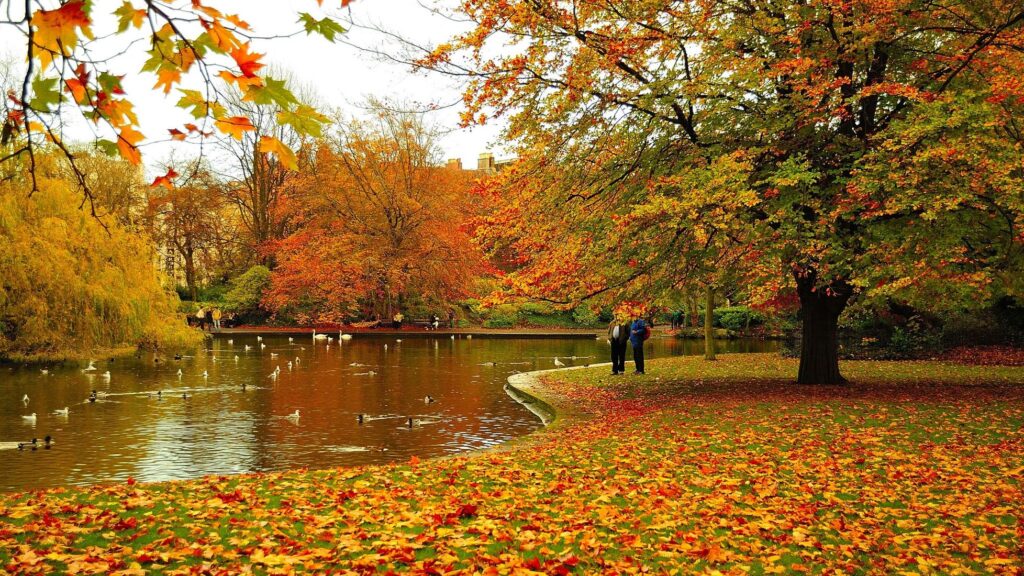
(201, 317)
(451, 318)
(638, 332)
(618, 336)
(216, 319)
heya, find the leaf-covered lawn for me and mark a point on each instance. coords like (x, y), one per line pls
(914, 468)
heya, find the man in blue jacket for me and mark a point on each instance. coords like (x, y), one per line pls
(637, 331)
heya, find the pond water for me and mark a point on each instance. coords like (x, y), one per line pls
(220, 428)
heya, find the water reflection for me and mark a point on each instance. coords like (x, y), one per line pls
(235, 417)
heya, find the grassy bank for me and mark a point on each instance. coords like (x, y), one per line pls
(916, 467)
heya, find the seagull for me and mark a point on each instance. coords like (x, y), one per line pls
(398, 340)
(277, 370)
(236, 357)
(90, 367)
(106, 375)
(30, 418)
(273, 375)
(289, 364)
(273, 354)
(214, 358)
(558, 362)
(44, 371)
(179, 372)
(469, 336)
(294, 416)
(247, 347)
(24, 399)
(428, 399)
(385, 347)
(453, 336)
(290, 339)
(205, 374)
(259, 338)
(296, 360)
(231, 342)
(61, 412)
(262, 346)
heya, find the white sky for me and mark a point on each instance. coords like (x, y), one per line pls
(342, 76)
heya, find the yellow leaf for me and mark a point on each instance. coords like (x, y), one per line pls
(235, 126)
(284, 154)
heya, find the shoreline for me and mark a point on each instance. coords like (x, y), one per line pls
(533, 333)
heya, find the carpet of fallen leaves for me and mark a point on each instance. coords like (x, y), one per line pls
(722, 467)
(986, 355)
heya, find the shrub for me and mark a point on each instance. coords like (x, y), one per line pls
(503, 316)
(247, 291)
(584, 316)
(737, 317)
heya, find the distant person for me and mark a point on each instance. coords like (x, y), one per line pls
(216, 315)
(396, 320)
(618, 335)
(638, 332)
(435, 321)
(451, 317)
(201, 317)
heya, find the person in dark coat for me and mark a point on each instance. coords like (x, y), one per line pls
(618, 336)
(638, 330)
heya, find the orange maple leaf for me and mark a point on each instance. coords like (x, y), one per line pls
(167, 180)
(127, 144)
(234, 126)
(284, 154)
(248, 62)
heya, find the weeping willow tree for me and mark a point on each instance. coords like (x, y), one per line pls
(71, 284)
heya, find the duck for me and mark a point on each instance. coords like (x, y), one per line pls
(91, 367)
(428, 399)
(30, 418)
(243, 386)
(558, 362)
(409, 422)
(92, 396)
(34, 444)
(360, 418)
(185, 396)
(61, 412)
(177, 356)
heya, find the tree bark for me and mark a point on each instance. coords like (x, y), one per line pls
(709, 323)
(820, 307)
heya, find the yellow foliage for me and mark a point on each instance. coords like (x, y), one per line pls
(70, 286)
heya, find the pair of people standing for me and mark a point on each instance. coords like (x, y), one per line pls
(634, 333)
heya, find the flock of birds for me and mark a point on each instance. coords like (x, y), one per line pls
(95, 396)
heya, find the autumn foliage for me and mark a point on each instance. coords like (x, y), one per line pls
(378, 219)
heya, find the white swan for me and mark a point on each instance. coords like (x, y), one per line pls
(61, 412)
(346, 337)
(319, 336)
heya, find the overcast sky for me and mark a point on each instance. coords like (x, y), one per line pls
(342, 75)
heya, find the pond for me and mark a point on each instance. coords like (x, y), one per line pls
(236, 417)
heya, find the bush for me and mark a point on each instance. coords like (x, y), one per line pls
(737, 317)
(247, 292)
(503, 316)
(584, 316)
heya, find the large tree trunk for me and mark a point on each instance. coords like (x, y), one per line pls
(820, 307)
(694, 310)
(709, 323)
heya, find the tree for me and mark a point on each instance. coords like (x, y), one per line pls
(378, 220)
(72, 68)
(880, 140)
(71, 283)
(259, 188)
(189, 217)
